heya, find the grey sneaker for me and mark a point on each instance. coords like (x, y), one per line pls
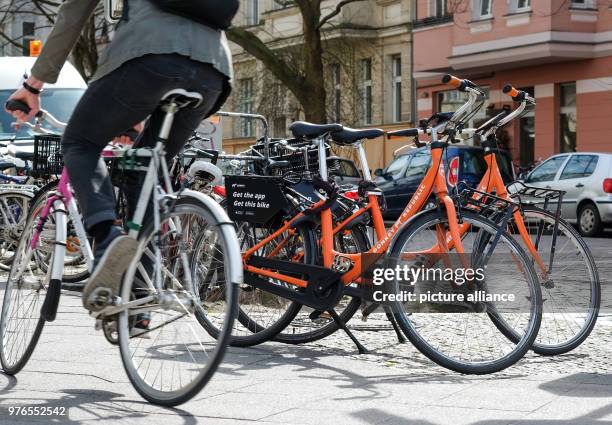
(112, 258)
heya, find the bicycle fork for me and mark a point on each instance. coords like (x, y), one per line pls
(49, 309)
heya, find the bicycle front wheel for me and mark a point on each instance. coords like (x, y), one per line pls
(26, 288)
(457, 329)
(171, 360)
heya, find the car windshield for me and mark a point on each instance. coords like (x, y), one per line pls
(59, 102)
(473, 163)
(397, 166)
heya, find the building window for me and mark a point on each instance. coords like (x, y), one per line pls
(518, 6)
(337, 106)
(246, 96)
(252, 12)
(396, 65)
(583, 4)
(27, 31)
(437, 8)
(366, 75)
(483, 9)
(567, 117)
(278, 5)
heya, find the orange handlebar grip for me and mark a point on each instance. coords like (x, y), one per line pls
(511, 91)
(452, 81)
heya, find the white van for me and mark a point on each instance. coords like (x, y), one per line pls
(59, 99)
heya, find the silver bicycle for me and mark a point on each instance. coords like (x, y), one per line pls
(175, 356)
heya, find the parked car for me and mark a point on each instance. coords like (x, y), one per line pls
(401, 178)
(59, 99)
(343, 171)
(586, 177)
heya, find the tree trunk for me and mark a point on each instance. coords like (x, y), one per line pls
(314, 98)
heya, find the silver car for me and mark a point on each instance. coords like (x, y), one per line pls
(587, 180)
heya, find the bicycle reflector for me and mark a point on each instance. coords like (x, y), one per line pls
(35, 48)
(453, 172)
(352, 194)
(607, 185)
(220, 191)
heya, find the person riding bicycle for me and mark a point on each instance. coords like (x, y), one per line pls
(152, 52)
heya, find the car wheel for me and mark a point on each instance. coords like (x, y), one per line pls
(589, 222)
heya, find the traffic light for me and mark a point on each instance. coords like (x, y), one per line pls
(35, 47)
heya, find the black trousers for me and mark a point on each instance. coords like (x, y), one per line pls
(118, 101)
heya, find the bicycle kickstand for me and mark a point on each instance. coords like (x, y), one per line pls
(400, 336)
(342, 325)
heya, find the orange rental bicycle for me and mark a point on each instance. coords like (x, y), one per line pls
(459, 342)
(565, 265)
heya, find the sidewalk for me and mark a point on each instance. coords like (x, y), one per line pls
(326, 383)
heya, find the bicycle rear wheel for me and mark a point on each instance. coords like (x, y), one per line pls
(571, 289)
(459, 333)
(26, 288)
(176, 356)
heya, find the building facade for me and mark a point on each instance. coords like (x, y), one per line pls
(559, 50)
(367, 57)
(20, 22)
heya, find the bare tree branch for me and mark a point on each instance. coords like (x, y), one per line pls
(336, 11)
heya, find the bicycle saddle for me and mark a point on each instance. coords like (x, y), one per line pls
(348, 136)
(311, 131)
(183, 98)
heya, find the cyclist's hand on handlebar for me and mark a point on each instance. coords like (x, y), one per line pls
(31, 100)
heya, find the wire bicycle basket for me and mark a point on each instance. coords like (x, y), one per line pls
(47, 160)
(299, 161)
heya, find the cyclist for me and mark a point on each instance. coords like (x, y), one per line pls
(152, 52)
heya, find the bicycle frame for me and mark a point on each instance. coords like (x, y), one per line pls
(435, 179)
(493, 181)
(62, 198)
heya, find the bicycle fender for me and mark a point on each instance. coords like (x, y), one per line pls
(51, 303)
(404, 227)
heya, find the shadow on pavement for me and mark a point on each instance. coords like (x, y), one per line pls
(91, 406)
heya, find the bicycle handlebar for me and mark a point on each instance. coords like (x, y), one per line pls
(518, 95)
(460, 84)
(410, 132)
(41, 116)
(17, 105)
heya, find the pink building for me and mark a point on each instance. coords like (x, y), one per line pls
(560, 50)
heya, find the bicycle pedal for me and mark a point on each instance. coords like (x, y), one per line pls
(101, 297)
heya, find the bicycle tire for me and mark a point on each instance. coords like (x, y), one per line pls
(142, 386)
(407, 323)
(13, 367)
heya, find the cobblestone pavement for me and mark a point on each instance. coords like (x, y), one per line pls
(322, 383)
